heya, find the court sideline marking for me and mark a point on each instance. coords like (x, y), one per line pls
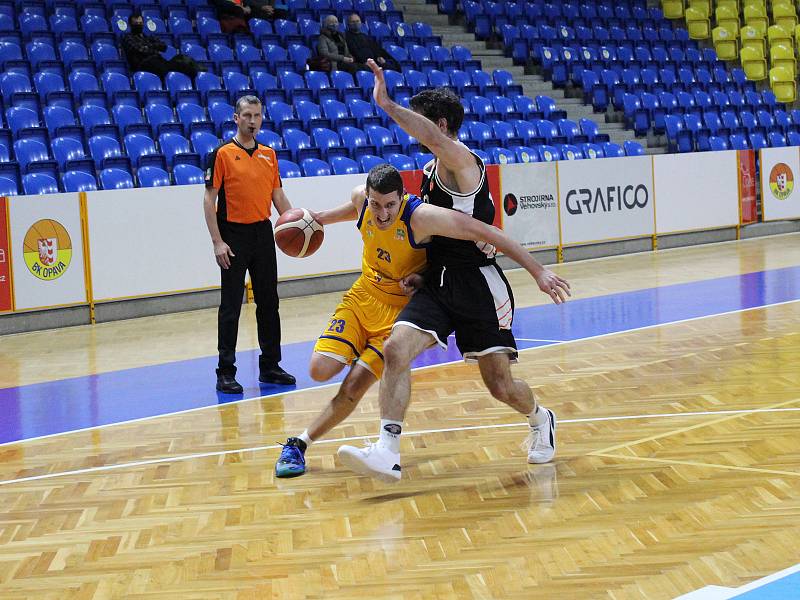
(730, 414)
(425, 367)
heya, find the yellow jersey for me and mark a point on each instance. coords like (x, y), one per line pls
(389, 255)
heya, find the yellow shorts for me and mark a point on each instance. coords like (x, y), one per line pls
(357, 330)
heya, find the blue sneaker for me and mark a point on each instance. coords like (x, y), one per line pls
(292, 461)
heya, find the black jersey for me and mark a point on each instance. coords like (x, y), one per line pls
(478, 204)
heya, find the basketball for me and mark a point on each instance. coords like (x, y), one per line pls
(298, 233)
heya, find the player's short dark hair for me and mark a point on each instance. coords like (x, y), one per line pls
(249, 99)
(385, 179)
(440, 103)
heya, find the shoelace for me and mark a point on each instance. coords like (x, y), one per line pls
(290, 454)
(532, 440)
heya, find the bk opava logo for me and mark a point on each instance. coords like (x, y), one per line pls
(47, 249)
(781, 181)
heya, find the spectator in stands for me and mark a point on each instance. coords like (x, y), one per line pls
(233, 15)
(268, 9)
(144, 52)
(364, 46)
(332, 45)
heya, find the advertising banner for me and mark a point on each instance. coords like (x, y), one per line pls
(606, 199)
(47, 251)
(696, 191)
(780, 198)
(149, 241)
(6, 285)
(530, 204)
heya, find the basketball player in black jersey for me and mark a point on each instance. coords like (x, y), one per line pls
(464, 291)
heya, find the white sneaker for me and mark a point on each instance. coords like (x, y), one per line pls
(541, 442)
(374, 461)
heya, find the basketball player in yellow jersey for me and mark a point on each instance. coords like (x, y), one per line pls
(363, 320)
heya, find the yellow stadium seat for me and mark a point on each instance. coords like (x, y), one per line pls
(784, 15)
(758, 3)
(783, 85)
(728, 18)
(754, 64)
(797, 38)
(702, 5)
(673, 9)
(698, 24)
(777, 34)
(732, 4)
(756, 16)
(725, 43)
(781, 55)
(750, 37)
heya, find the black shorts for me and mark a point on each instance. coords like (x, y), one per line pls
(475, 302)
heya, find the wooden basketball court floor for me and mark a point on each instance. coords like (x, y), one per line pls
(675, 377)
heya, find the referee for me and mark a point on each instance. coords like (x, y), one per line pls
(242, 184)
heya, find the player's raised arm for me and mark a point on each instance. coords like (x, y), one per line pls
(453, 155)
(428, 220)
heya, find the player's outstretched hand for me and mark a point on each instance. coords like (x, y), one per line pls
(379, 92)
(411, 283)
(554, 286)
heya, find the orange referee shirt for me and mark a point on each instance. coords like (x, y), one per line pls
(245, 179)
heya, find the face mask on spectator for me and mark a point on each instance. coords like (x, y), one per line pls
(137, 27)
(354, 27)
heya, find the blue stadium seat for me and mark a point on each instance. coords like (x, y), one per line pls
(52, 90)
(320, 86)
(363, 112)
(161, 119)
(78, 181)
(96, 121)
(115, 179)
(194, 119)
(106, 152)
(401, 162)
(106, 56)
(130, 120)
(548, 153)
(294, 86)
(75, 57)
(221, 115)
(32, 155)
(356, 141)
(299, 144)
(310, 114)
(149, 88)
(421, 159)
(86, 87)
(16, 90)
(8, 187)
(181, 89)
(328, 142)
(238, 85)
(69, 155)
(289, 169)
(525, 154)
(282, 116)
(177, 150)
(314, 167)
(39, 183)
(141, 150)
(342, 165)
(382, 139)
(203, 143)
(502, 156)
(187, 175)
(633, 148)
(152, 177)
(368, 161)
(61, 122)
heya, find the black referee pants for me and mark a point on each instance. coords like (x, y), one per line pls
(254, 248)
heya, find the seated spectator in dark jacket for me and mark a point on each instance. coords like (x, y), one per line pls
(364, 46)
(143, 52)
(332, 45)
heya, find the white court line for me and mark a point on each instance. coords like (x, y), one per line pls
(179, 458)
(442, 364)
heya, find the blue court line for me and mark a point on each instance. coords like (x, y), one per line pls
(54, 407)
(785, 588)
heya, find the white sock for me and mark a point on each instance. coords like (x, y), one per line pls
(306, 439)
(390, 434)
(537, 417)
